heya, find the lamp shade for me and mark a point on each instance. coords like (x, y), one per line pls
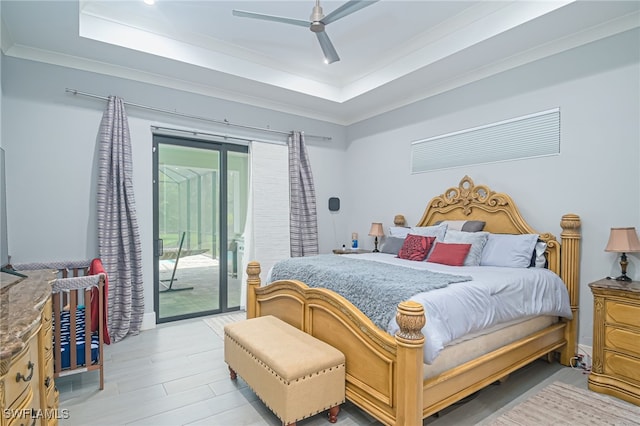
(376, 230)
(623, 240)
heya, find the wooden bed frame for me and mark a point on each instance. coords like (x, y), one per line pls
(384, 372)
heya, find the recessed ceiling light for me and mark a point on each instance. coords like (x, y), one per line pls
(149, 2)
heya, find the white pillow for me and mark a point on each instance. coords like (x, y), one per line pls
(477, 241)
(512, 251)
(437, 231)
(399, 231)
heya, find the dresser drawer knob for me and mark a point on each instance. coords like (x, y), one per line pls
(19, 376)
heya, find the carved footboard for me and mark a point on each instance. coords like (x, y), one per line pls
(375, 359)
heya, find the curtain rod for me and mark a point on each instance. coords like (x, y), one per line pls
(211, 120)
(172, 131)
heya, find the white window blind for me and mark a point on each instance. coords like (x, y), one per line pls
(533, 135)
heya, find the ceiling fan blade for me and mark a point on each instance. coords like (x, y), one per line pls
(347, 9)
(330, 54)
(292, 21)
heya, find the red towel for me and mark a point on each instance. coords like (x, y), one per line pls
(97, 268)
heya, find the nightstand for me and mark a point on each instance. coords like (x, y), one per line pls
(616, 339)
(350, 251)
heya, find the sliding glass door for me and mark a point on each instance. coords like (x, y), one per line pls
(200, 209)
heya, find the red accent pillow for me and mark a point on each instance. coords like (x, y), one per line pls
(415, 247)
(449, 254)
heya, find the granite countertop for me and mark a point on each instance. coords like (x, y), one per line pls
(21, 302)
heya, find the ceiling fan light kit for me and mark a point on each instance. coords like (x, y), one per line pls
(317, 23)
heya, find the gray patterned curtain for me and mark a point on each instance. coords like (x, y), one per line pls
(303, 218)
(118, 234)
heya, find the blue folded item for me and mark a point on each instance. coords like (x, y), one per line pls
(80, 339)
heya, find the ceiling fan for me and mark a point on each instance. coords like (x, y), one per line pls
(316, 24)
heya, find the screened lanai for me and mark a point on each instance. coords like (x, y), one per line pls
(188, 205)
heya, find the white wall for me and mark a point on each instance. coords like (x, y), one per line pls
(50, 139)
(596, 175)
(1, 91)
(1, 59)
(50, 142)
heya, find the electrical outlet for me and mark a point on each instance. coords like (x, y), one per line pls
(579, 361)
(585, 350)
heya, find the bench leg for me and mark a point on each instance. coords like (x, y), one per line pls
(333, 414)
(232, 374)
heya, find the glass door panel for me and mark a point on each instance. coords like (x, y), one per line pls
(188, 259)
(200, 205)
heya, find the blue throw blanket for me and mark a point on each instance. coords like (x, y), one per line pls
(373, 287)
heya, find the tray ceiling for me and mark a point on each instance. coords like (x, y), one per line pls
(392, 52)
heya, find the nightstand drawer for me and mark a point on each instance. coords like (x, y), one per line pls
(622, 366)
(621, 340)
(622, 313)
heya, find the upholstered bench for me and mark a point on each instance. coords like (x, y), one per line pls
(293, 373)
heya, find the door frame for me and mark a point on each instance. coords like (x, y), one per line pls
(223, 148)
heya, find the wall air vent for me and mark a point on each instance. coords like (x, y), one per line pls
(533, 135)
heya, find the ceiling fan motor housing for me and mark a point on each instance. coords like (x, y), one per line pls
(316, 17)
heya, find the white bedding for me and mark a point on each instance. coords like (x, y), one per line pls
(495, 295)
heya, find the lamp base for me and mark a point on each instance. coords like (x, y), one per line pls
(623, 268)
(375, 249)
(623, 277)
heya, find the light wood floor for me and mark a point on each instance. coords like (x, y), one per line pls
(175, 375)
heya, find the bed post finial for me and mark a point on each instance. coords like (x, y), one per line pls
(253, 282)
(410, 340)
(570, 274)
(410, 319)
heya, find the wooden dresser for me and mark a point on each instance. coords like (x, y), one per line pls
(616, 339)
(28, 395)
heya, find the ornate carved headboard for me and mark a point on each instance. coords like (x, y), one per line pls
(498, 210)
(478, 202)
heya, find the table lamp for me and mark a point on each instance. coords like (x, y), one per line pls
(623, 240)
(376, 231)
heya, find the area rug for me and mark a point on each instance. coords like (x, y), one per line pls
(563, 404)
(217, 322)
